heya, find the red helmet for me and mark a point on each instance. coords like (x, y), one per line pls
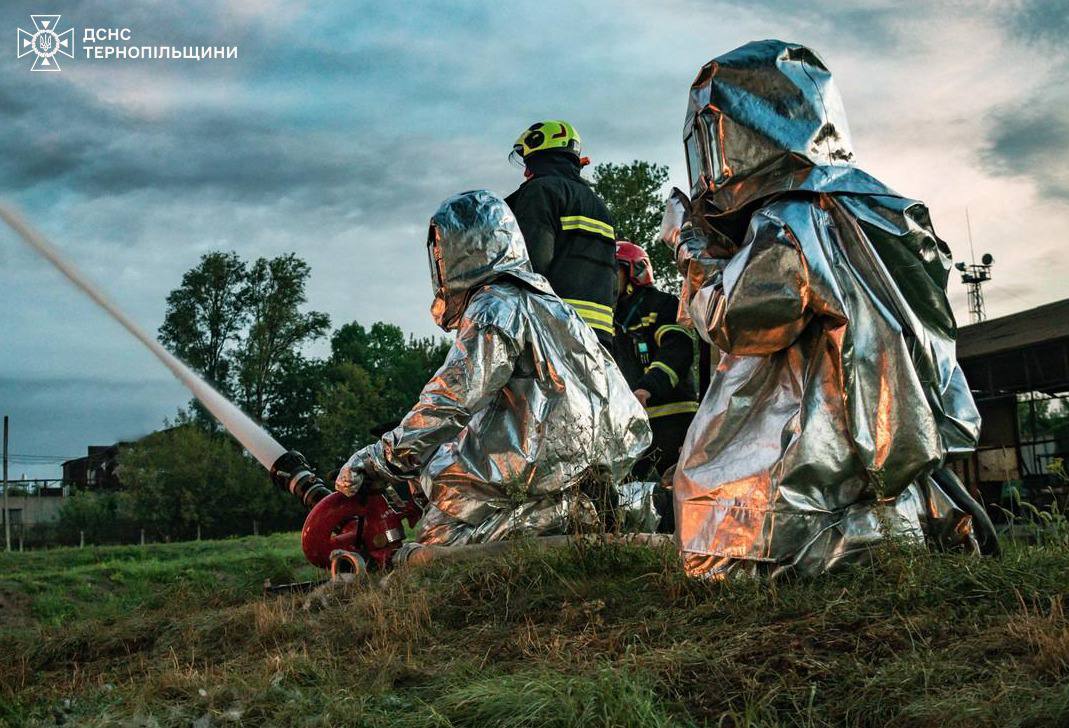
(637, 262)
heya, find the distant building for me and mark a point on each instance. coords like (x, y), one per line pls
(31, 503)
(97, 470)
(1018, 369)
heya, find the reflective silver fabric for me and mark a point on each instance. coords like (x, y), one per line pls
(838, 396)
(527, 408)
(636, 511)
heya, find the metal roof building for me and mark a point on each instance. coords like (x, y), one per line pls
(1023, 352)
(1018, 369)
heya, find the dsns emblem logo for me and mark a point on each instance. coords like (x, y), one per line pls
(46, 43)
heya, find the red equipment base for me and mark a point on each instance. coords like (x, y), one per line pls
(365, 524)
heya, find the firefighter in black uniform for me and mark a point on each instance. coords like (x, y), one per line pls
(568, 228)
(655, 354)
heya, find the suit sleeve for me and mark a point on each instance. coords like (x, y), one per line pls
(478, 366)
(537, 213)
(675, 352)
(760, 303)
(701, 270)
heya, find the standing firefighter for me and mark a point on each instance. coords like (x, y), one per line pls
(655, 354)
(568, 228)
(838, 399)
(526, 417)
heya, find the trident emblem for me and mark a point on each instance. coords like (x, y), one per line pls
(45, 43)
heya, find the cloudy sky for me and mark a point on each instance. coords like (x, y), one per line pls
(337, 130)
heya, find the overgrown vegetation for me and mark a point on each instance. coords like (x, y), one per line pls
(178, 484)
(1045, 525)
(603, 636)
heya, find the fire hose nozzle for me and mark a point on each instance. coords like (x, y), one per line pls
(291, 473)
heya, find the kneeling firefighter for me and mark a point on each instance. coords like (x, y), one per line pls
(528, 422)
(838, 399)
(568, 228)
(655, 354)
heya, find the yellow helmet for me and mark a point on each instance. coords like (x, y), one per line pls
(547, 135)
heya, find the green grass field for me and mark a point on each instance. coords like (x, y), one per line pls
(607, 635)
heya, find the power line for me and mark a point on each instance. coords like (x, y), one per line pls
(27, 463)
(49, 457)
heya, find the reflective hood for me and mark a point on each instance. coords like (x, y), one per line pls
(763, 119)
(474, 239)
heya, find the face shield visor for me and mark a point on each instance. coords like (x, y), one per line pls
(641, 273)
(704, 147)
(434, 260)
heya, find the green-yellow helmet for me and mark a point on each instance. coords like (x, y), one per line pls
(547, 135)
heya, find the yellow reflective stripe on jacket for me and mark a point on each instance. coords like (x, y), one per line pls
(596, 315)
(676, 408)
(671, 327)
(647, 320)
(672, 376)
(589, 224)
(596, 325)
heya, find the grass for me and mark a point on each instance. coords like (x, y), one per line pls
(600, 636)
(51, 587)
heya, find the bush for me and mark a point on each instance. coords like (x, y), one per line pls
(184, 477)
(104, 517)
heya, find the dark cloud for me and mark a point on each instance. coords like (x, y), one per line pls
(110, 152)
(864, 25)
(1029, 137)
(1040, 21)
(71, 136)
(1032, 140)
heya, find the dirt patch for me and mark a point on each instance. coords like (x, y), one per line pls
(14, 609)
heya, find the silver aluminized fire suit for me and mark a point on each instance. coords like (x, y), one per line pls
(838, 397)
(527, 410)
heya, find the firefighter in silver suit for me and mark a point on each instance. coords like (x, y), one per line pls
(837, 400)
(528, 420)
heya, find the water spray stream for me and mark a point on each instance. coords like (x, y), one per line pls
(253, 437)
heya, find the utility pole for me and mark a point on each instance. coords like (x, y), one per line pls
(7, 513)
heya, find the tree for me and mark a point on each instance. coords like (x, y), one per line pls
(296, 394)
(374, 376)
(278, 329)
(103, 517)
(635, 196)
(400, 367)
(206, 314)
(350, 410)
(255, 354)
(242, 328)
(1041, 417)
